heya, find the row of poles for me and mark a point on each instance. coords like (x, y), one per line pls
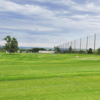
(66, 46)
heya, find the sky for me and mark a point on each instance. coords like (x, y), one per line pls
(48, 23)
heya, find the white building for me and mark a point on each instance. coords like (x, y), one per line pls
(40, 51)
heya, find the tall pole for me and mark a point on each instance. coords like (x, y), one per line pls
(74, 45)
(80, 43)
(94, 41)
(60, 48)
(63, 47)
(87, 44)
(68, 45)
(71, 46)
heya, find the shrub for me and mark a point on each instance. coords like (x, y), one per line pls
(70, 49)
(81, 51)
(99, 51)
(65, 51)
(90, 51)
(73, 51)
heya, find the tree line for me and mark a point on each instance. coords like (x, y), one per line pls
(32, 50)
(11, 46)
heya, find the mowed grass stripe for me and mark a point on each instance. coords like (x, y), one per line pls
(25, 71)
(37, 87)
(88, 86)
(15, 69)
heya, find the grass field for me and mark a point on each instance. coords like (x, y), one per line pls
(36, 77)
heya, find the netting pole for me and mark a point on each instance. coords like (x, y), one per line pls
(63, 48)
(60, 48)
(94, 41)
(80, 43)
(74, 45)
(71, 46)
(68, 46)
(87, 44)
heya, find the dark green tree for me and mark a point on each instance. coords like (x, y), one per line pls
(90, 51)
(12, 45)
(37, 49)
(57, 50)
(70, 49)
(99, 51)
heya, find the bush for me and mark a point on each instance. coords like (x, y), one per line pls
(65, 51)
(73, 51)
(99, 51)
(90, 51)
(70, 49)
(81, 51)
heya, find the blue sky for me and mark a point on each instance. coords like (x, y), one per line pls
(48, 23)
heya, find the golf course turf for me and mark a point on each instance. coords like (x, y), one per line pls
(49, 77)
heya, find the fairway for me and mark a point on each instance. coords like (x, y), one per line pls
(49, 77)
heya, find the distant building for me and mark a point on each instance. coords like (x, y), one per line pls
(18, 51)
(23, 51)
(40, 51)
(7, 51)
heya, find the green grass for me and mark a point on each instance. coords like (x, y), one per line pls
(35, 77)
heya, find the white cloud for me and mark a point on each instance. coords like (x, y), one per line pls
(75, 20)
(80, 16)
(33, 28)
(61, 2)
(49, 41)
(8, 6)
(88, 7)
(36, 45)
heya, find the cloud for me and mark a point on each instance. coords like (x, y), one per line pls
(61, 2)
(80, 16)
(88, 7)
(35, 45)
(49, 22)
(8, 6)
(33, 28)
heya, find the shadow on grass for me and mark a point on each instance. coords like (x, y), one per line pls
(11, 54)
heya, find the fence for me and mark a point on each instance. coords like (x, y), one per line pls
(83, 44)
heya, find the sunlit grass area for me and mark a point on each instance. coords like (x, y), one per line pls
(49, 77)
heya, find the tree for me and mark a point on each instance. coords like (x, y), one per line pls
(90, 51)
(37, 49)
(57, 50)
(12, 45)
(99, 51)
(70, 49)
